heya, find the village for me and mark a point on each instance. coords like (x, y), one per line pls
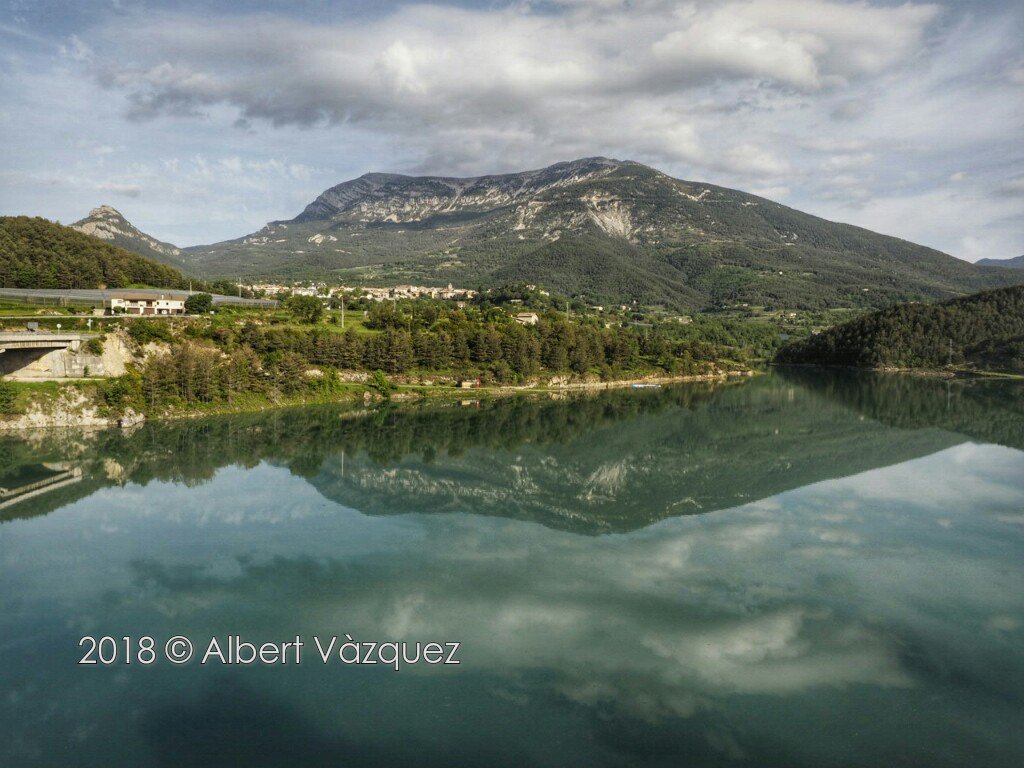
(386, 293)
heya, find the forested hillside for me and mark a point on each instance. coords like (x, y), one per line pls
(37, 253)
(984, 331)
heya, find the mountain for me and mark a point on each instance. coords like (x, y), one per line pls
(36, 253)
(609, 230)
(1015, 263)
(984, 331)
(108, 224)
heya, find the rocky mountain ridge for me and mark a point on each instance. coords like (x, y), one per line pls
(107, 223)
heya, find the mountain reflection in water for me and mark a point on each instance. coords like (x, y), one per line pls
(616, 461)
(856, 598)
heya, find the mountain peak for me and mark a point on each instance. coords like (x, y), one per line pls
(105, 211)
(107, 223)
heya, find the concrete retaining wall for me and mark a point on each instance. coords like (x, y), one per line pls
(72, 362)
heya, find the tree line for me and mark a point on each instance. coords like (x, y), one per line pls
(983, 330)
(209, 364)
(36, 253)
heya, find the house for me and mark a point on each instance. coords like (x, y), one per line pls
(130, 303)
(527, 318)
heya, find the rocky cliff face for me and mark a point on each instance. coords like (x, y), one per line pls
(394, 198)
(107, 223)
(576, 197)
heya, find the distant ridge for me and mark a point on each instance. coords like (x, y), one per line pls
(610, 231)
(1014, 263)
(983, 331)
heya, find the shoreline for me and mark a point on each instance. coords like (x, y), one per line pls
(72, 409)
(932, 373)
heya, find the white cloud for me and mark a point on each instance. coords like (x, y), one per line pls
(76, 50)
(548, 77)
(950, 214)
(754, 160)
(828, 103)
(1013, 187)
(830, 144)
(123, 190)
(848, 162)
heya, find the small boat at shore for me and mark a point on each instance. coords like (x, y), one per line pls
(645, 386)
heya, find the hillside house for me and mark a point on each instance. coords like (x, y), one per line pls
(527, 318)
(130, 303)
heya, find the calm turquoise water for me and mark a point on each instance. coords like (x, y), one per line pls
(802, 570)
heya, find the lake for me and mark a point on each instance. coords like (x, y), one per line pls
(805, 569)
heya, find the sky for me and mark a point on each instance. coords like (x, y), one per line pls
(202, 121)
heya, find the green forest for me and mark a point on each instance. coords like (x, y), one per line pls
(983, 331)
(209, 363)
(36, 253)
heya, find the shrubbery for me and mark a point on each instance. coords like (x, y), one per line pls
(380, 382)
(199, 304)
(305, 309)
(146, 331)
(8, 396)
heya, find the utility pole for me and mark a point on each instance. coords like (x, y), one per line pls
(343, 311)
(567, 315)
(950, 363)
